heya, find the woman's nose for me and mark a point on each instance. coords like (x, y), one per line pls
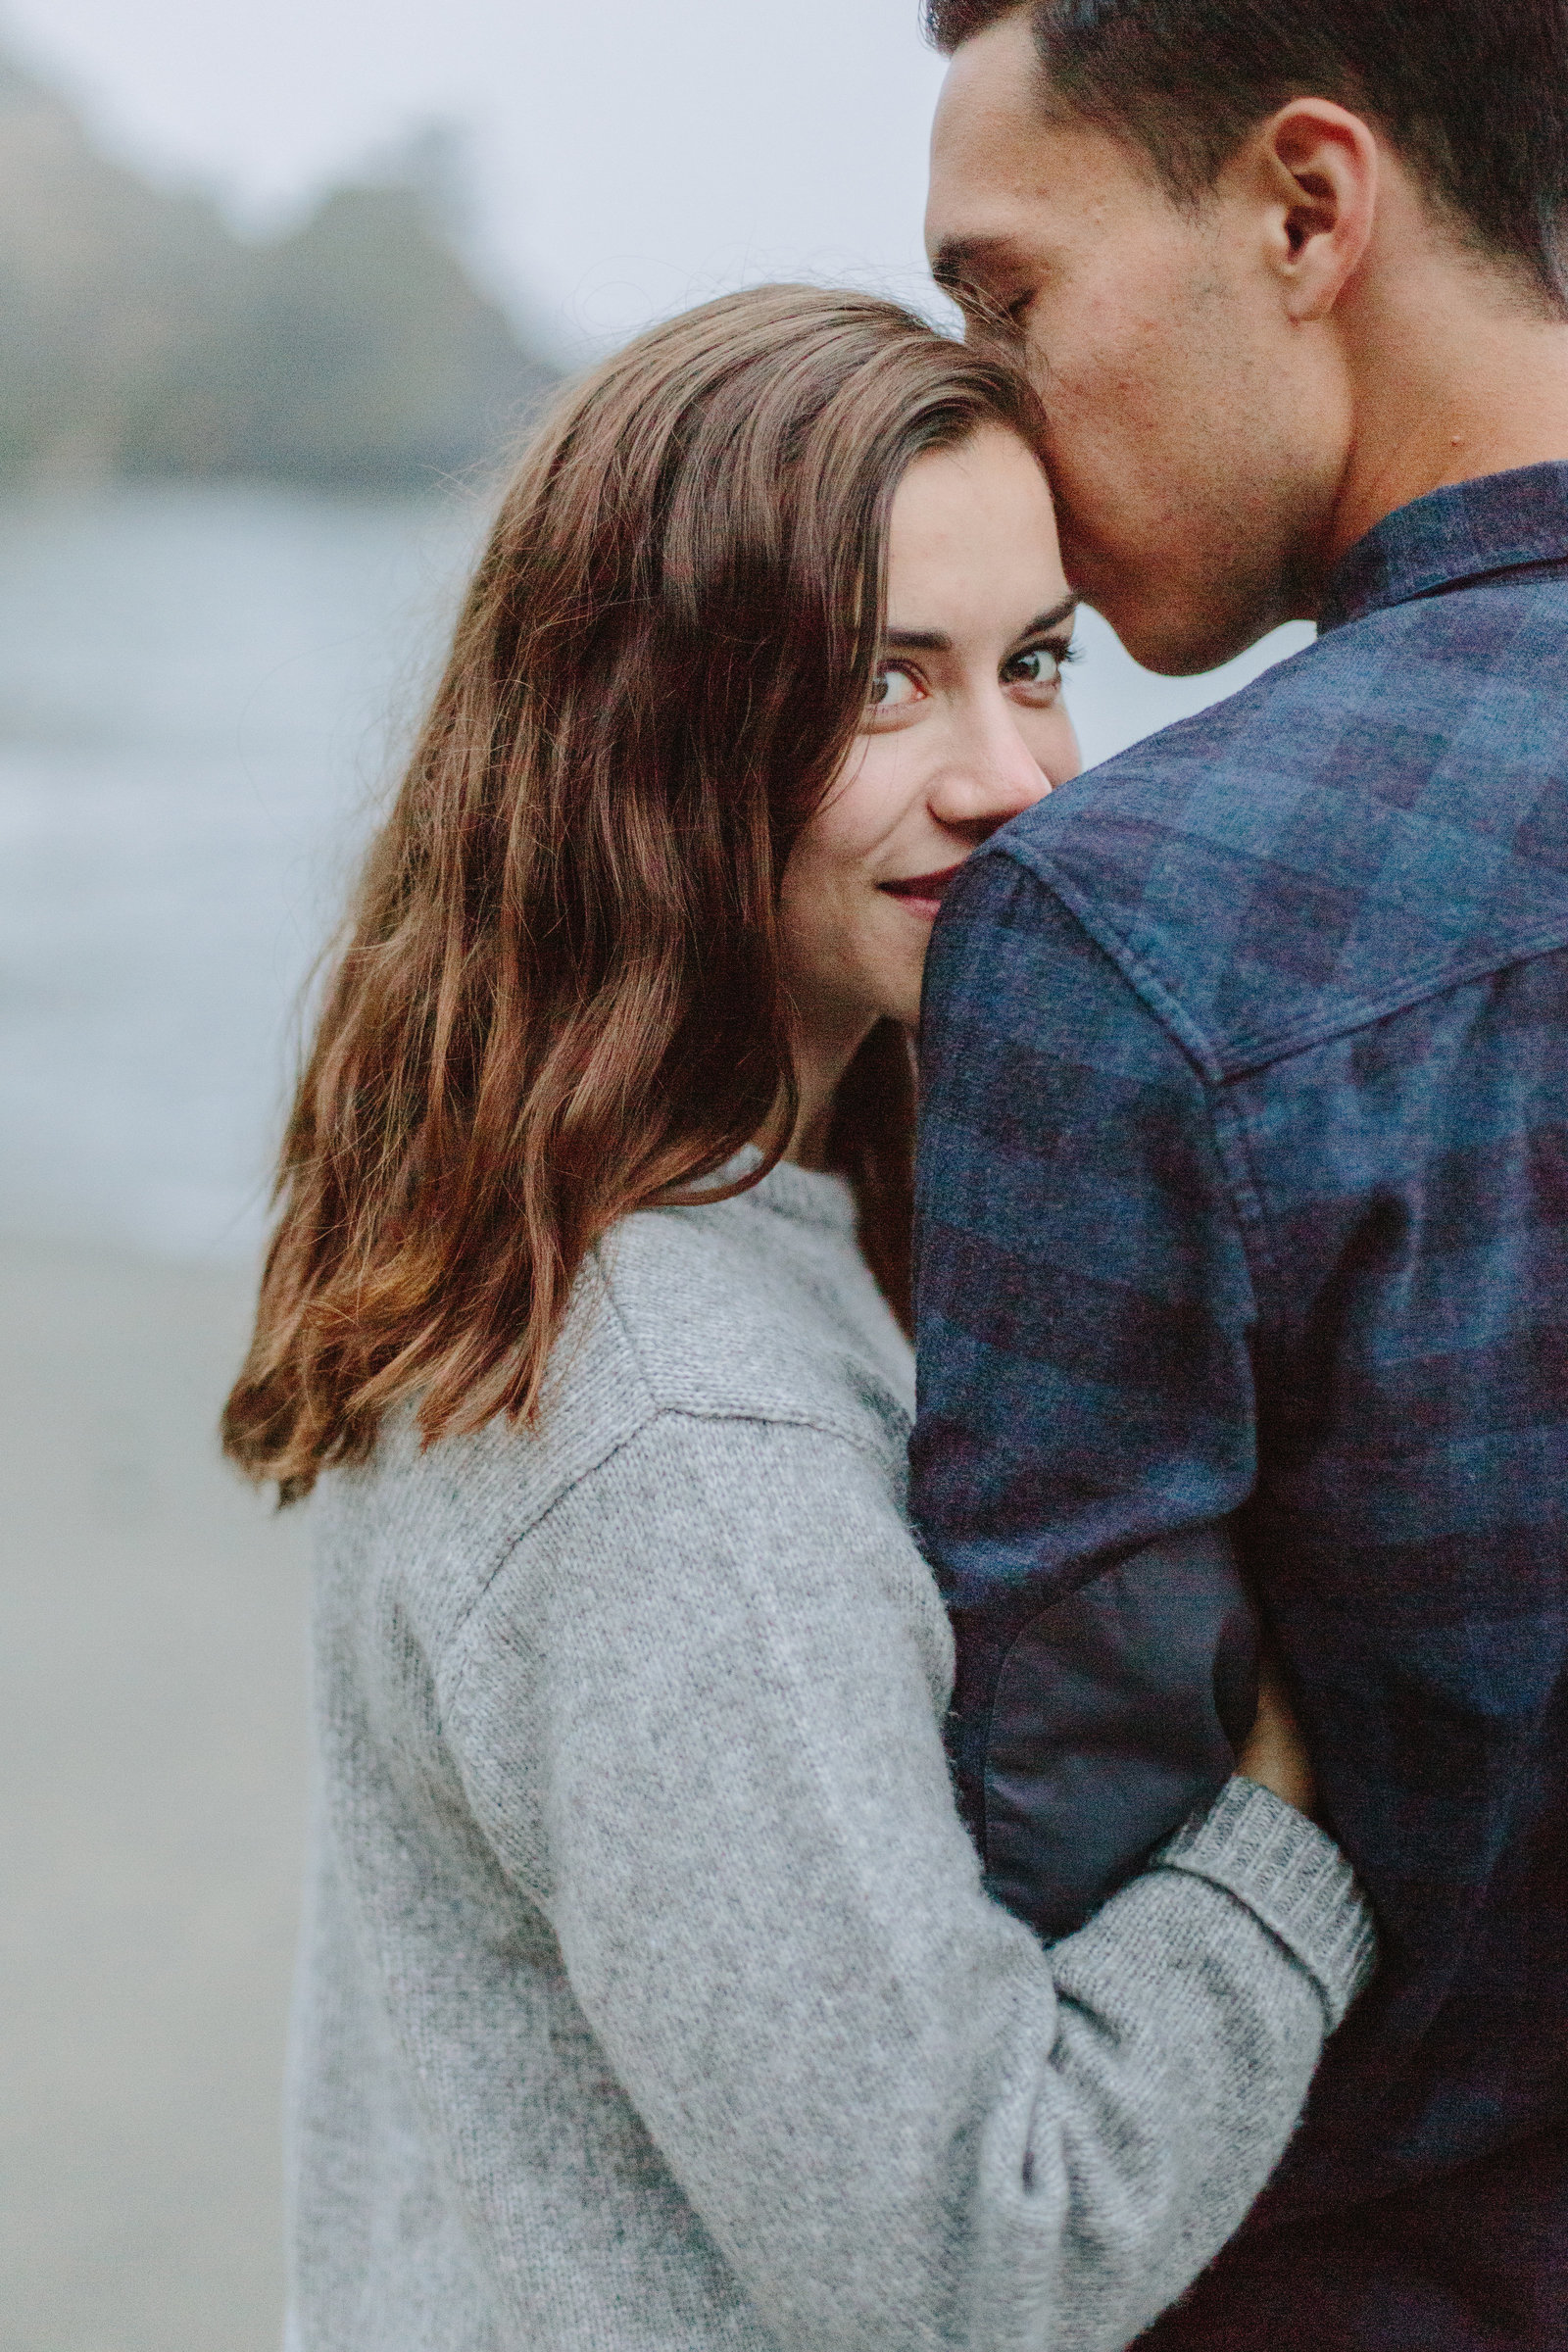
(990, 774)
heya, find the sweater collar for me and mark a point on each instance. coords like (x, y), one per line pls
(803, 1195)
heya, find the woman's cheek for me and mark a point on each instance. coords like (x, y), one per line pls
(876, 787)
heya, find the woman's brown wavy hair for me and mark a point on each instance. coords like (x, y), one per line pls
(561, 995)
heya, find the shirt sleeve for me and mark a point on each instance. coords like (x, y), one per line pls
(902, 2121)
(1086, 1427)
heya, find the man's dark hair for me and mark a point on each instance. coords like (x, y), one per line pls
(1472, 93)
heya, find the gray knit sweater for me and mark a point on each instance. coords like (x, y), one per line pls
(649, 1996)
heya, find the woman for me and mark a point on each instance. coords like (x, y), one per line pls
(649, 1996)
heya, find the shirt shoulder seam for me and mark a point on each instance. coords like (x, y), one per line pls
(1245, 1055)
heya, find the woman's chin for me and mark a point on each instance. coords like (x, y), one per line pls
(901, 1003)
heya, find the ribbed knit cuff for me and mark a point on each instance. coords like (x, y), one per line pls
(1291, 1877)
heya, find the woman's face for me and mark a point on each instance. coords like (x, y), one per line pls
(966, 726)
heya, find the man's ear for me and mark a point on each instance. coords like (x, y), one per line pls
(1318, 165)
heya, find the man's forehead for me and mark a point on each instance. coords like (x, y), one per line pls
(990, 101)
(1012, 173)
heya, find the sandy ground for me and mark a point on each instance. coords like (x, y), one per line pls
(150, 1704)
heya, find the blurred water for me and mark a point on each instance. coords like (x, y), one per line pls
(202, 695)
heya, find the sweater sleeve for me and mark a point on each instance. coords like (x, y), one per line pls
(902, 2119)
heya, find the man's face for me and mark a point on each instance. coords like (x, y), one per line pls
(1197, 436)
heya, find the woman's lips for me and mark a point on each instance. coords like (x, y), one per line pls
(922, 893)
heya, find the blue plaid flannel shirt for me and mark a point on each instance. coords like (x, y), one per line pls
(1242, 1275)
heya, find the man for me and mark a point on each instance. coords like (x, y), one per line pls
(1245, 1177)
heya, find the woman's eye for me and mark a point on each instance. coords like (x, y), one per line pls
(893, 690)
(1038, 671)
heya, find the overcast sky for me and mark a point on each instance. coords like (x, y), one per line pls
(626, 156)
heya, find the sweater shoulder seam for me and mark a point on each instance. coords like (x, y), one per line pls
(517, 1536)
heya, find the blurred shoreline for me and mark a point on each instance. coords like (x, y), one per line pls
(151, 1689)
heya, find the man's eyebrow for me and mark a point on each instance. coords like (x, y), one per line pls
(962, 262)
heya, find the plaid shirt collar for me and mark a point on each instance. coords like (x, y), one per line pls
(1469, 531)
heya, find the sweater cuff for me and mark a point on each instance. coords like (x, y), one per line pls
(1290, 1876)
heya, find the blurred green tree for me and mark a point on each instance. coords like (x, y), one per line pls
(139, 335)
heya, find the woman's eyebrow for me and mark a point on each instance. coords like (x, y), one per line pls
(936, 641)
(1054, 618)
(917, 641)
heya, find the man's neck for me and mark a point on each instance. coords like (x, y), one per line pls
(1462, 381)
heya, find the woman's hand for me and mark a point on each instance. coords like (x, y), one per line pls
(1275, 1753)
